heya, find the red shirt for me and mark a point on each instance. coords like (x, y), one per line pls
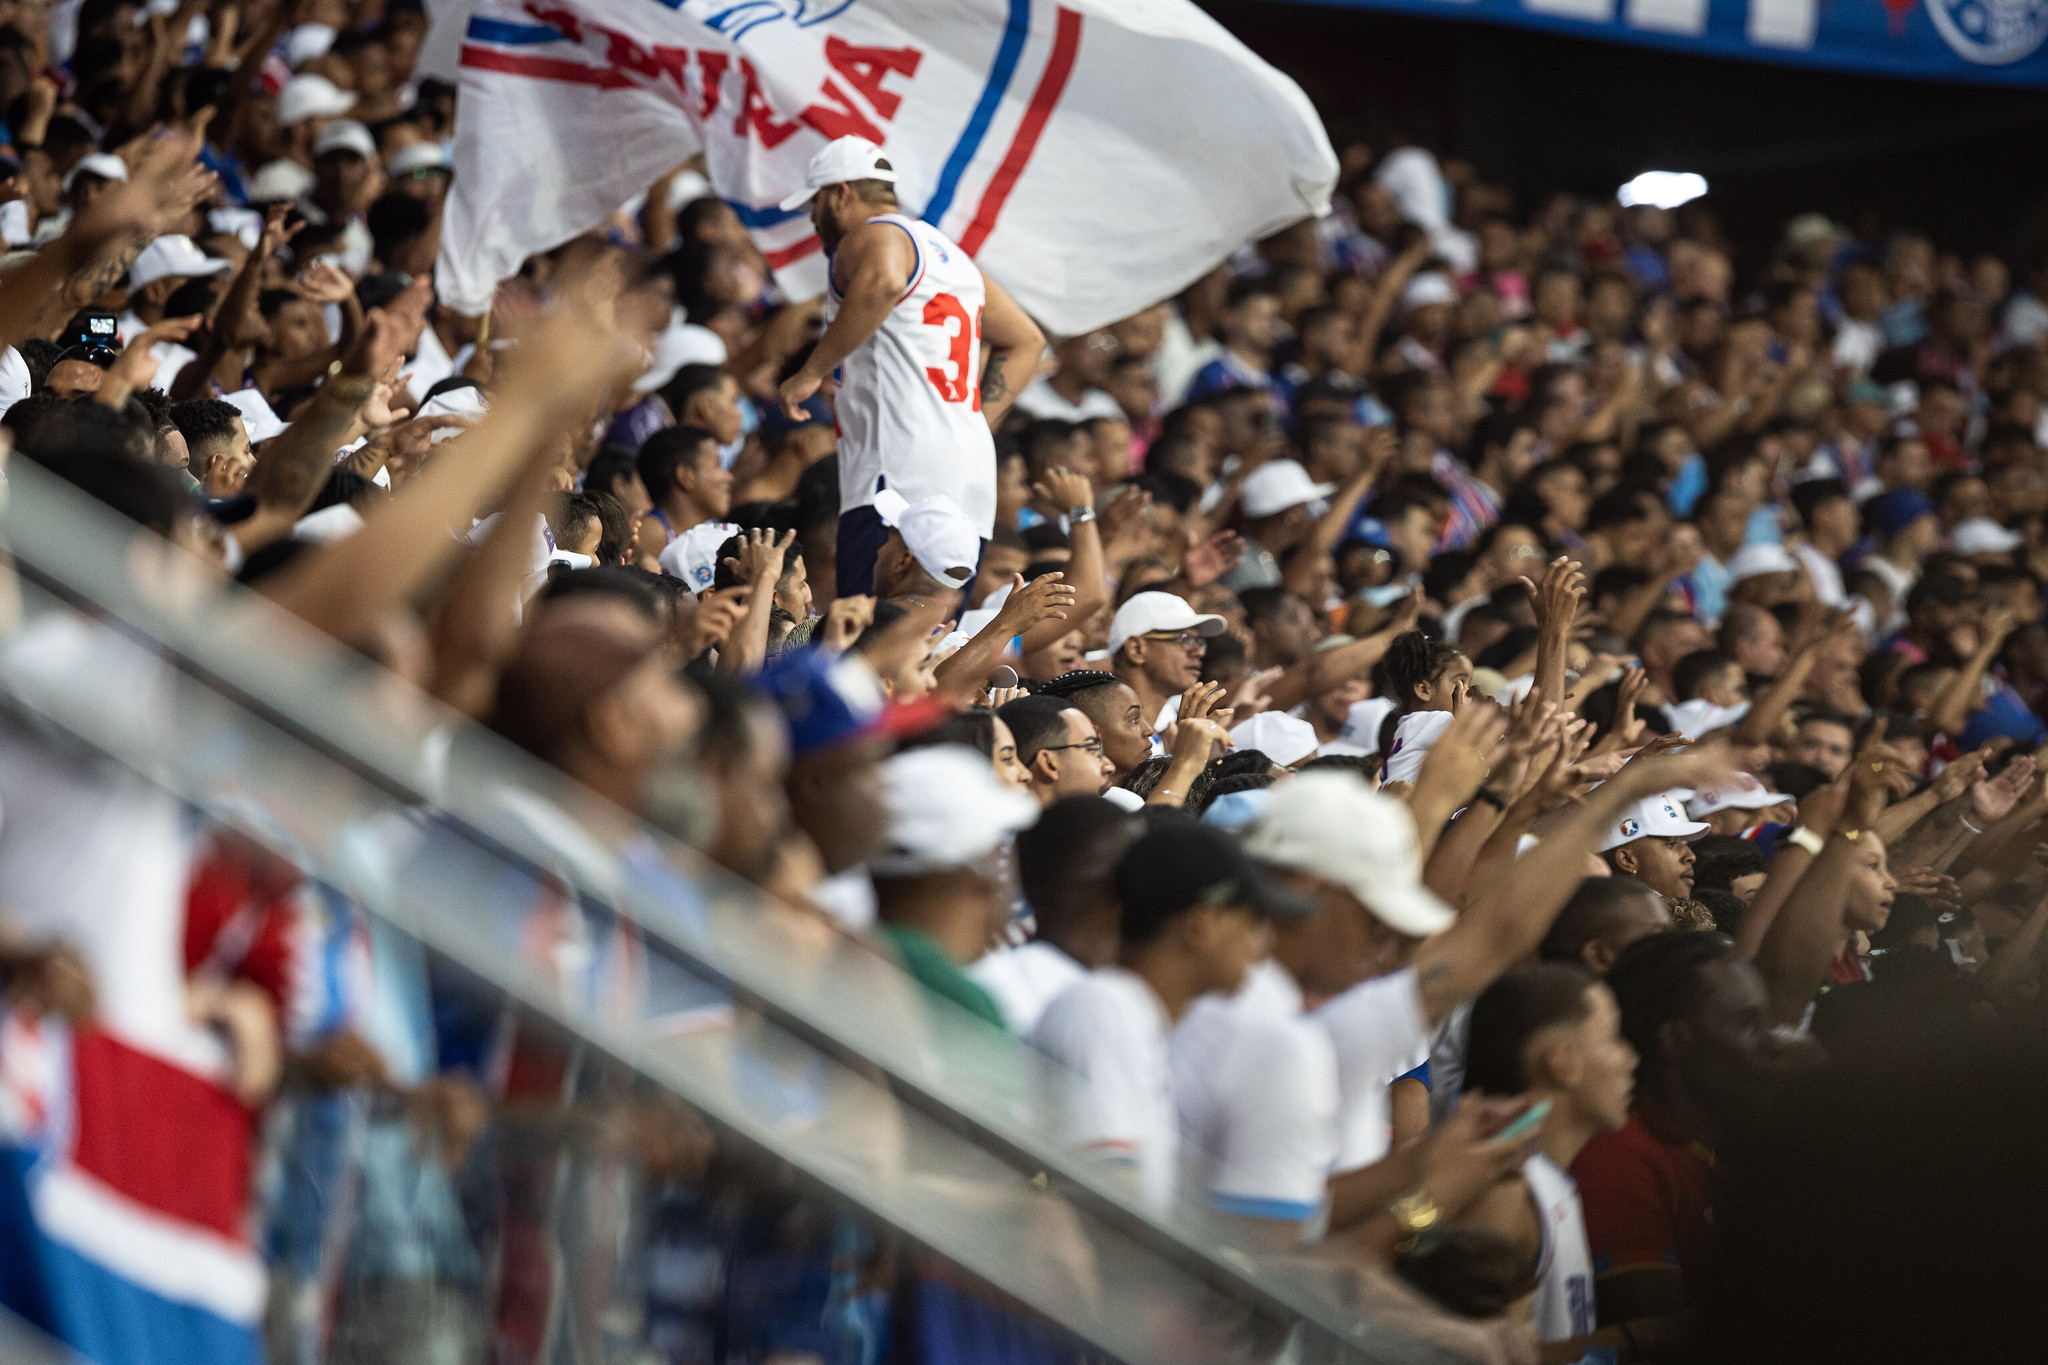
(1648, 1196)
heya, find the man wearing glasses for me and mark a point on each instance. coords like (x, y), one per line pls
(1155, 646)
(1058, 746)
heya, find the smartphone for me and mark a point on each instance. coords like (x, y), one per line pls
(1531, 1118)
(90, 327)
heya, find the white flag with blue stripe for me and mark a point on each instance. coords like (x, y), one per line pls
(1094, 156)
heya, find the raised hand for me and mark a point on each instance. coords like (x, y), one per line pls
(1065, 488)
(1200, 701)
(1994, 800)
(1203, 564)
(718, 613)
(761, 556)
(1465, 753)
(325, 282)
(1869, 785)
(1556, 600)
(1045, 598)
(844, 620)
(1955, 779)
(1626, 727)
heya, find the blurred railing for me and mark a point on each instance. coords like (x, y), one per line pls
(718, 1109)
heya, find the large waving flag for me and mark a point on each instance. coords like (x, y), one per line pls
(1095, 156)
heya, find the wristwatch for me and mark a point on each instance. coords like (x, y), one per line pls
(1806, 839)
(1419, 1219)
(1080, 516)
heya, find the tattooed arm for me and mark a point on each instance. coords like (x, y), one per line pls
(1015, 345)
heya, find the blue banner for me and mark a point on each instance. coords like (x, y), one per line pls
(2002, 42)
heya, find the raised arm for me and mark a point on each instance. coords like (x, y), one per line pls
(1964, 692)
(556, 378)
(1015, 346)
(1325, 669)
(1328, 530)
(1046, 601)
(1556, 601)
(1807, 933)
(872, 268)
(1505, 926)
(1086, 571)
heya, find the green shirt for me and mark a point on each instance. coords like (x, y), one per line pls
(934, 969)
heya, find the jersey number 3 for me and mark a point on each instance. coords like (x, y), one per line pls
(949, 315)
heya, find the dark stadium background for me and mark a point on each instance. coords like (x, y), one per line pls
(1542, 113)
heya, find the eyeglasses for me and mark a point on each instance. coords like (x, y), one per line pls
(1185, 639)
(1093, 746)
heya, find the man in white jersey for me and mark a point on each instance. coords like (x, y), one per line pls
(908, 315)
(1552, 1032)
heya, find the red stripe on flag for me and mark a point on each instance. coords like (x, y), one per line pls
(169, 1140)
(543, 68)
(1051, 84)
(778, 259)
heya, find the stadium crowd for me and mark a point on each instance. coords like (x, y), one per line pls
(1437, 731)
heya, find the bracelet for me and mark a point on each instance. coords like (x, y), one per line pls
(1080, 516)
(1968, 826)
(1491, 798)
(1806, 839)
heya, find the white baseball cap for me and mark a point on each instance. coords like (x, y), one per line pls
(421, 156)
(947, 809)
(1740, 792)
(311, 96)
(1700, 717)
(1274, 487)
(1333, 826)
(935, 531)
(1654, 817)
(1425, 289)
(257, 415)
(838, 161)
(1148, 612)
(279, 180)
(1983, 536)
(1285, 739)
(173, 257)
(346, 135)
(105, 165)
(1753, 561)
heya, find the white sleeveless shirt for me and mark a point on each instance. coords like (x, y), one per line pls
(909, 400)
(1564, 1266)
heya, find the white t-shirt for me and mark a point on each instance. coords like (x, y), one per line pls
(1825, 574)
(14, 379)
(1379, 1032)
(1041, 399)
(1414, 734)
(1255, 1085)
(1564, 1263)
(1109, 1093)
(1024, 980)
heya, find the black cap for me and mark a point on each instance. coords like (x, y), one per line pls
(1181, 864)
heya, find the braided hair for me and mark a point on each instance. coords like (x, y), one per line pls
(1414, 660)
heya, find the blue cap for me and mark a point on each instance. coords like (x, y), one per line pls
(826, 698)
(1890, 513)
(1237, 811)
